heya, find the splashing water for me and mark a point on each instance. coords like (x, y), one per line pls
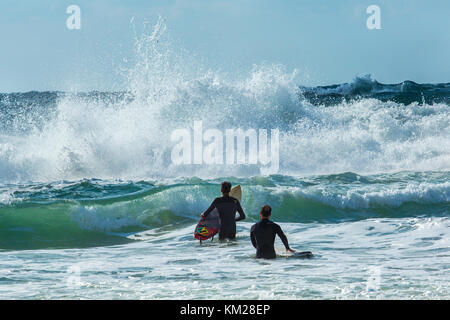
(86, 179)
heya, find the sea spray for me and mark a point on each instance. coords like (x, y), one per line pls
(362, 127)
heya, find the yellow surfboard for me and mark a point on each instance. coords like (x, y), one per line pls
(236, 192)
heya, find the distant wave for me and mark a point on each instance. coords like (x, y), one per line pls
(51, 136)
(406, 92)
(364, 126)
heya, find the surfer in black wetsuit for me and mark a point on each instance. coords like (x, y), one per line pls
(227, 207)
(263, 234)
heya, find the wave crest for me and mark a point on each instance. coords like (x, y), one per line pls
(68, 136)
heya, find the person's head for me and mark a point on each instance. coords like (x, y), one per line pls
(225, 187)
(265, 212)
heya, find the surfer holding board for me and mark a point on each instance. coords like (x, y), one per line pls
(221, 215)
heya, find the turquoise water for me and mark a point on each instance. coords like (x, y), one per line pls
(378, 236)
(91, 205)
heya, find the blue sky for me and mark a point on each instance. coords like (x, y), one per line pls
(328, 41)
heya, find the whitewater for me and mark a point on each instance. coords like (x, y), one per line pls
(93, 207)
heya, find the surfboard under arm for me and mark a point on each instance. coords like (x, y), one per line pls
(208, 227)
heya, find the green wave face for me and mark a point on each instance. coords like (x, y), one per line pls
(48, 226)
(100, 213)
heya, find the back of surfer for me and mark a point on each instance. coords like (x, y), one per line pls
(227, 207)
(263, 235)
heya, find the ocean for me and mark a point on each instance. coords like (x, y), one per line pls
(92, 207)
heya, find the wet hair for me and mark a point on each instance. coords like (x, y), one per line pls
(225, 187)
(266, 211)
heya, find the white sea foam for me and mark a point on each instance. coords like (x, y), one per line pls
(130, 139)
(363, 197)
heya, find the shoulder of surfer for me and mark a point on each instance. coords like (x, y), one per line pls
(276, 226)
(226, 199)
(267, 222)
(234, 199)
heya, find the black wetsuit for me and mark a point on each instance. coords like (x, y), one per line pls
(227, 207)
(263, 234)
